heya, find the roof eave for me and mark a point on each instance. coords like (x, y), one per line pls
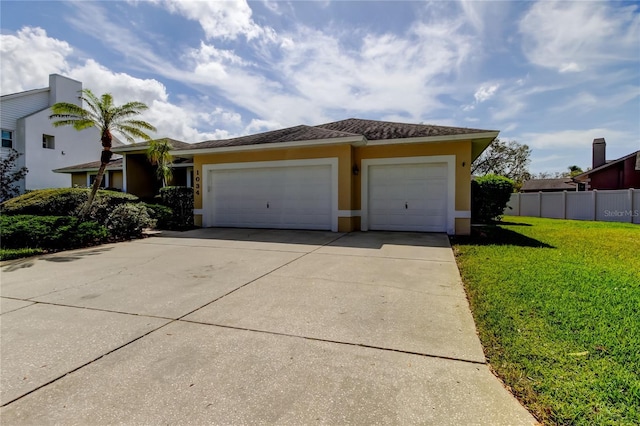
(479, 141)
(88, 169)
(127, 148)
(353, 140)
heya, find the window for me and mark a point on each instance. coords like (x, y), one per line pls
(103, 184)
(7, 139)
(48, 142)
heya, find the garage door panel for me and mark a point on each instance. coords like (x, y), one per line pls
(274, 197)
(408, 197)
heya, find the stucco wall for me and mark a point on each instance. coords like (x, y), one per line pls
(349, 185)
(140, 176)
(71, 147)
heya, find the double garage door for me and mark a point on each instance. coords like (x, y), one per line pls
(400, 197)
(294, 197)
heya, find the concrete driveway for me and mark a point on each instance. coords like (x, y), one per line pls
(233, 326)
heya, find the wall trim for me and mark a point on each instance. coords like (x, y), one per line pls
(349, 213)
(450, 160)
(207, 169)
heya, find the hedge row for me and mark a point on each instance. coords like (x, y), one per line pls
(174, 211)
(49, 232)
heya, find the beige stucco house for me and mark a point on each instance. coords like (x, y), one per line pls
(342, 176)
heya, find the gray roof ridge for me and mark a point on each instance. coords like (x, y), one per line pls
(367, 120)
(330, 135)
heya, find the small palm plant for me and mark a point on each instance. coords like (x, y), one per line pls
(100, 112)
(159, 155)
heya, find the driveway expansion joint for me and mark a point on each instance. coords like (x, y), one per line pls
(73, 370)
(338, 342)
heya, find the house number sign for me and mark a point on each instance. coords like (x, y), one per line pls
(197, 182)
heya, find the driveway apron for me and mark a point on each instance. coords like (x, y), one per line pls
(237, 326)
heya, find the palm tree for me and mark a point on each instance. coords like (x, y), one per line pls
(574, 171)
(106, 117)
(159, 155)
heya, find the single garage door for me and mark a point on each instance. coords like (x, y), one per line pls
(297, 197)
(408, 197)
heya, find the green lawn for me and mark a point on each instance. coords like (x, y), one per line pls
(557, 306)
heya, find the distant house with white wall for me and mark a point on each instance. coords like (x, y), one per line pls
(26, 127)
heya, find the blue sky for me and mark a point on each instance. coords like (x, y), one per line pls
(553, 75)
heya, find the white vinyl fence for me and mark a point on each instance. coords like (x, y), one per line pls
(610, 206)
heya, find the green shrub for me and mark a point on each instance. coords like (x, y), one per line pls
(49, 232)
(489, 197)
(180, 200)
(63, 202)
(161, 214)
(128, 220)
(43, 202)
(105, 202)
(9, 254)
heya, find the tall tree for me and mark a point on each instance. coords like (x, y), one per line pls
(100, 112)
(159, 155)
(504, 158)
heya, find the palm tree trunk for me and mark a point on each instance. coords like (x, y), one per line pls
(104, 161)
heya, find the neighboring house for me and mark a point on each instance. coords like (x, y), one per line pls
(549, 185)
(347, 175)
(83, 175)
(142, 175)
(623, 173)
(27, 129)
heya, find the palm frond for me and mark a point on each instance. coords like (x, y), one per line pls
(139, 124)
(67, 109)
(130, 132)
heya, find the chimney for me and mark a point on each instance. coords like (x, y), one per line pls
(64, 89)
(599, 148)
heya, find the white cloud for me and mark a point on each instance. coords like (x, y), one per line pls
(315, 73)
(33, 56)
(554, 151)
(486, 92)
(28, 57)
(258, 126)
(221, 19)
(574, 139)
(575, 36)
(122, 86)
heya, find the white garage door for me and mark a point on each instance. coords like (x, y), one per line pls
(408, 197)
(272, 197)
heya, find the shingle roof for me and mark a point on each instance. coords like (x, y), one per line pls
(607, 164)
(379, 130)
(290, 134)
(548, 184)
(115, 164)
